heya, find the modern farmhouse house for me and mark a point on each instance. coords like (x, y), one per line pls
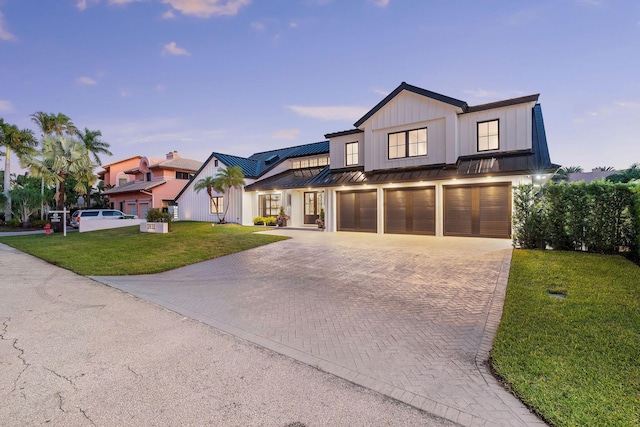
(418, 163)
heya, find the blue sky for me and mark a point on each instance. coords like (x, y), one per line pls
(242, 76)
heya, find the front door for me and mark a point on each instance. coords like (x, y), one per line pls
(312, 206)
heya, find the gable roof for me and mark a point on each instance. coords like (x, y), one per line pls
(134, 186)
(504, 103)
(414, 89)
(260, 163)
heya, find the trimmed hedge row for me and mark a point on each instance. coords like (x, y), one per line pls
(596, 217)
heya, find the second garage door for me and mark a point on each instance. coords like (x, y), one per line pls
(357, 211)
(410, 211)
(478, 210)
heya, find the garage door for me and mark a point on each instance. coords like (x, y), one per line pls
(410, 211)
(357, 211)
(478, 210)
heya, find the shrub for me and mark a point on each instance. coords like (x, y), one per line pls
(156, 215)
(38, 223)
(13, 222)
(527, 217)
(259, 220)
(270, 220)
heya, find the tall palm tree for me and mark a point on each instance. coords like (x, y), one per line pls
(23, 143)
(95, 146)
(63, 158)
(225, 179)
(562, 174)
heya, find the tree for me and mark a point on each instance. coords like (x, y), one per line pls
(26, 198)
(63, 158)
(562, 174)
(604, 168)
(225, 179)
(23, 143)
(53, 123)
(91, 140)
(627, 175)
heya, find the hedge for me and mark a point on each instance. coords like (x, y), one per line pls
(598, 217)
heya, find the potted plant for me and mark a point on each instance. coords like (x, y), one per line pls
(320, 221)
(157, 222)
(281, 220)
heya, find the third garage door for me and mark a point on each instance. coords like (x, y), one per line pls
(478, 210)
(410, 210)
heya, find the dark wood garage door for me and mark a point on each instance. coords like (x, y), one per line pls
(410, 211)
(357, 211)
(478, 210)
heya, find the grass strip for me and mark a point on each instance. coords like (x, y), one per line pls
(575, 360)
(124, 251)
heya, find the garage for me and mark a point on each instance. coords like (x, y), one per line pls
(478, 210)
(357, 211)
(410, 211)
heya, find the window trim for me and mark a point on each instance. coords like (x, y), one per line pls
(348, 156)
(488, 135)
(407, 152)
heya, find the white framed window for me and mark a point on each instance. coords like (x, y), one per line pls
(351, 153)
(489, 135)
(410, 143)
(216, 205)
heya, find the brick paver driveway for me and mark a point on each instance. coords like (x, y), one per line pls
(412, 317)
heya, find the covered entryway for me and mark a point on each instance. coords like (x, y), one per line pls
(478, 210)
(410, 210)
(357, 211)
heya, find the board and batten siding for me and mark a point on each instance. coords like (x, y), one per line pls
(194, 206)
(409, 111)
(337, 150)
(515, 128)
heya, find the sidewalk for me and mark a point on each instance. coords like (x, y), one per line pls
(77, 353)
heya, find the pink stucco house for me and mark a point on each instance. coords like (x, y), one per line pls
(140, 183)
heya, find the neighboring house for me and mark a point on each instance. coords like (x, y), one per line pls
(140, 183)
(417, 163)
(587, 177)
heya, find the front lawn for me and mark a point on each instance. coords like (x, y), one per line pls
(575, 360)
(126, 250)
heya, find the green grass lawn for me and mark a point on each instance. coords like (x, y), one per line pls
(126, 250)
(575, 360)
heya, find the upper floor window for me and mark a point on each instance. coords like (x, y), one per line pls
(148, 174)
(309, 163)
(183, 175)
(488, 135)
(122, 181)
(351, 157)
(410, 143)
(215, 163)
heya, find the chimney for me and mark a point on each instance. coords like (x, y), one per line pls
(172, 155)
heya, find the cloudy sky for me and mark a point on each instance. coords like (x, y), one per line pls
(242, 76)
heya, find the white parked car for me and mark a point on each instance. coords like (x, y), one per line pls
(90, 214)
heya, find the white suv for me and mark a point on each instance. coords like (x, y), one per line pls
(89, 214)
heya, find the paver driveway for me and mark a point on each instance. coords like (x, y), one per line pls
(412, 317)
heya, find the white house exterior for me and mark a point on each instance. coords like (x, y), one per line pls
(417, 163)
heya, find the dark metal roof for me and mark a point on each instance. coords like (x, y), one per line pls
(504, 103)
(539, 138)
(519, 162)
(292, 178)
(405, 86)
(134, 186)
(343, 133)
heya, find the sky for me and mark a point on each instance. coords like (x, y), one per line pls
(245, 76)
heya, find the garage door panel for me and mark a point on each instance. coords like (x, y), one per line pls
(357, 211)
(457, 212)
(410, 211)
(478, 210)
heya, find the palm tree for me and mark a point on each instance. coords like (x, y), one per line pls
(225, 179)
(604, 168)
(63, 158)
(23, 143)
(91, 140)
(563, 173)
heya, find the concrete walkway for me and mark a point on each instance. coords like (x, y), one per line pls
(411, 317)
(76, 353)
